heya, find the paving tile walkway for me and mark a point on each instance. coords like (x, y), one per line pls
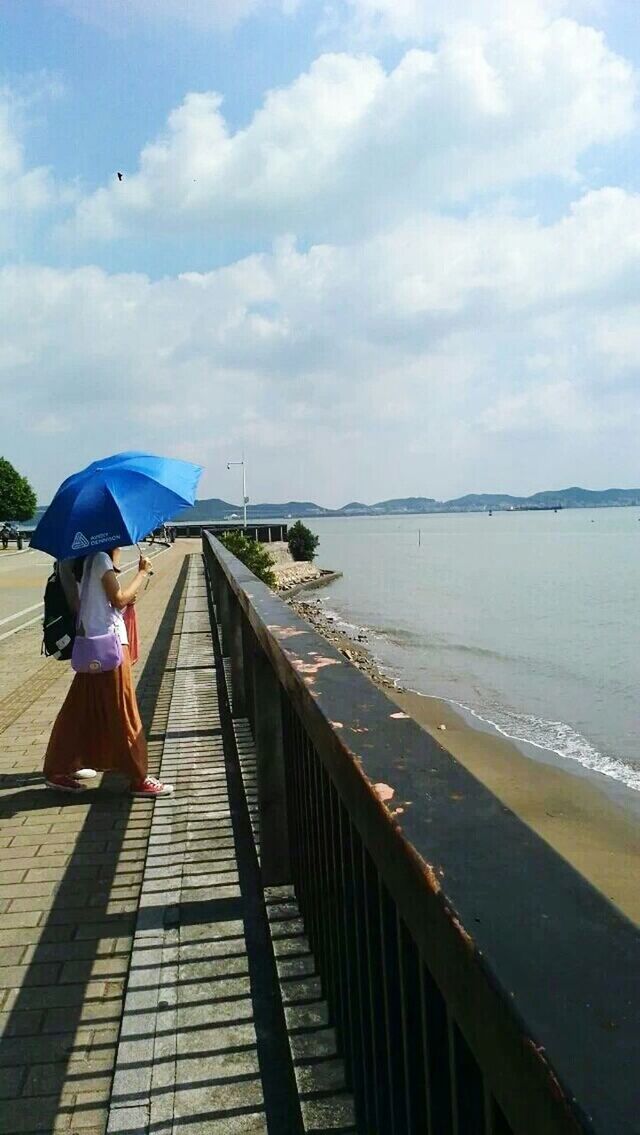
(147, 984)
(190, 1055)
(71, 871)
(224, 1028)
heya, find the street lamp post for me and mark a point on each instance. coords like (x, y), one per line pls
(244, 488)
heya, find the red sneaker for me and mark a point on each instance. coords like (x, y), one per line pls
(64, 784)
(151, 787)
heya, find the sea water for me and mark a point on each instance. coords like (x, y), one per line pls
(528, 620)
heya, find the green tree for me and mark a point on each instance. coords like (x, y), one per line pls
(302, 542)
(252, 554)
(17, 498)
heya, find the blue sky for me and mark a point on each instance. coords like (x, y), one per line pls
(391, 247)
(116, 88)
(119, 86)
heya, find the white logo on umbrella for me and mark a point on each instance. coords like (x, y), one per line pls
(79, 541)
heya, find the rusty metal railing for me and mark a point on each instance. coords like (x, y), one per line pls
(478, 984)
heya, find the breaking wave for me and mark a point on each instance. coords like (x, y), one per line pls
(557, 737)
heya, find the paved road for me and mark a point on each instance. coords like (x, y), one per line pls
(22, 580)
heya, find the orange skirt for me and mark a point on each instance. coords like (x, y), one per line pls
(130, 617)
(99, 726)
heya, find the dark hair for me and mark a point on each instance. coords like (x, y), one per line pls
(79, 562)
(78, 567)
(110, 552)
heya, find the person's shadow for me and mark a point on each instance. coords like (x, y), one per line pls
(26, 792)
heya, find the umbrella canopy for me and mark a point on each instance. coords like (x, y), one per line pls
(115, 501)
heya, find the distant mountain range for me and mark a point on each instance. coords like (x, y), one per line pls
(216, 509)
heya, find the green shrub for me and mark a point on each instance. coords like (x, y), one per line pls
(17, 498)
(251, 554)
(302, 542)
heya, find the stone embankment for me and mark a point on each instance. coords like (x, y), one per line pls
(289, 573)
(293, 575)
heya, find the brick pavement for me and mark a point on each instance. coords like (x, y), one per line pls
(188, 1052)
(134, 937)
(71, 870)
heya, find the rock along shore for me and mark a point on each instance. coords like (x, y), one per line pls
(293, 577)
(354, 648)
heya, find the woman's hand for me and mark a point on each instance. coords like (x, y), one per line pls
(119, 597)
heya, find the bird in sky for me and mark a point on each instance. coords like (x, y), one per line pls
(119, 176)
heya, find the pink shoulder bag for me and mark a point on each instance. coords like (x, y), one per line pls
(95, 654)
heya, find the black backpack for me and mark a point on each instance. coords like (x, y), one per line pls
(59, 623)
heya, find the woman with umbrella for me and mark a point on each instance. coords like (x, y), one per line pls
(111, 503)
(99, 724)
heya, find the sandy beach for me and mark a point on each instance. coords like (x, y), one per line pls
(593, 833)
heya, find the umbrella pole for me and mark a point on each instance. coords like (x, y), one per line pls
(151, 572)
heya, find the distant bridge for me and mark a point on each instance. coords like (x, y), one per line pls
(266, 533)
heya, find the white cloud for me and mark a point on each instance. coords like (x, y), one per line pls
(616, 336)
(27, 192)
(23, 190)
(367, 20)
(118, 16)
(554, 405)
(421, 355)
(415, 20)
(348, 147)
(388, 343)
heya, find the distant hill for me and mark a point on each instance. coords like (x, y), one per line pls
(590, 498)
(478, 502)
(216, 509)
(403, 504)
(213, 508)
(353, 508)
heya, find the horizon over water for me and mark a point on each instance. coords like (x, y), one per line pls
(529, 621)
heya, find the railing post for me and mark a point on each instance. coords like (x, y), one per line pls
(236, 654)
(248, 647)
(224, 601)
(272, 801)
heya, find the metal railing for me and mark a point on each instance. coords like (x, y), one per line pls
(478, 984)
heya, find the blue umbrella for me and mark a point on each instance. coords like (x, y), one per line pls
(113, 502)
